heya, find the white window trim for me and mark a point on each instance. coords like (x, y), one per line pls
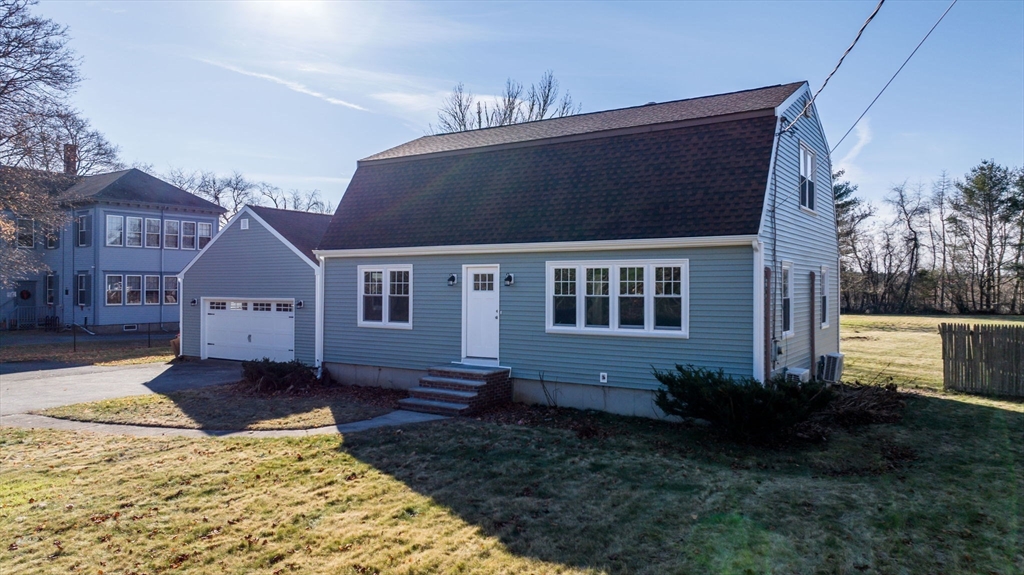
(82, 281)
(385, 292)
(164, 290)
(83, 228)
(51, 288)
(142, 231)
(106, 231)
(177, 235)
(782, 310)
(613, 305)
(142, 289)
(145, 233)
(159, 289)
(195, 235)
(106, 290)
(17, 237)
(199, 236)
(812, 198)
(824, 289)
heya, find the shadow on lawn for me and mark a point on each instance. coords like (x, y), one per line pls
(654, 497)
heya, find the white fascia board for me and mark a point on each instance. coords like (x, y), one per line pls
(785, 105)
(759, 311)
(220, 232)
(318, 344)
(541, 247)
(282, 239)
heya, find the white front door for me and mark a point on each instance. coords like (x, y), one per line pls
(482, 312)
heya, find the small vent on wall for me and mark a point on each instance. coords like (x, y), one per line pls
(130, 327)
(244, 222)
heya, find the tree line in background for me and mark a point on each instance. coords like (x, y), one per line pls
(956, 247)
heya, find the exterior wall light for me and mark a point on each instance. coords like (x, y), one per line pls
(453, 279)
(510, 279)
(193, 302)
(298, 304)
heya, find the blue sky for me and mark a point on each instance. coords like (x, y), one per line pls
(295, 93)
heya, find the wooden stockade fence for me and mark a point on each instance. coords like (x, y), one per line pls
(983, 359)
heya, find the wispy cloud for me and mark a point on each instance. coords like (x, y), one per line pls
(294, 86)
(411, 102)
(864, 135)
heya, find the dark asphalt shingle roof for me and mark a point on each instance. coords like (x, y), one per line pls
(302, 229)
(675, 111)
(692, 179)
(137, 186)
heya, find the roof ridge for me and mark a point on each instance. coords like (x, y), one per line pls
(287, 210)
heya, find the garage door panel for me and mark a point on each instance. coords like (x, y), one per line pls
(240, 332)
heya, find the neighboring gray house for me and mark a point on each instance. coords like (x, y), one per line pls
(580, 252)
(253, 291)
(113, 268)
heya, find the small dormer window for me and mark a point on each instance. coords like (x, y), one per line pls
(807, 169)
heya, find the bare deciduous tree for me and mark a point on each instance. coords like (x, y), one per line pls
(461, 111)
(236, 191)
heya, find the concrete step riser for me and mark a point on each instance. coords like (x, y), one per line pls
(449, 385)
(440, 395)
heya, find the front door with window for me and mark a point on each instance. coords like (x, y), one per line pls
(482, 312)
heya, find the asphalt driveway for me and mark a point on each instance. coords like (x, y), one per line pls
(52, 385)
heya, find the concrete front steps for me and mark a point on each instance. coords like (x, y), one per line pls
(458, 389)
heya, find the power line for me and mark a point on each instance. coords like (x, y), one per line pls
(861, 117)
(839, 63)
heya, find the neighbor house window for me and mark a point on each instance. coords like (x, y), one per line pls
(823, 290)
(26, 233)
(83, 289)
(377, 283)
(115, 231)
(787, 299)
(152, 290)
(170, 290)
(84, 224)
(188, 235)
(205, 231)
(807, 168)
(133, 290)
(171, 234)
(115, 289)
(628, 297)
(52, 288)
(152, 233)
(52, 238)
(133, 232)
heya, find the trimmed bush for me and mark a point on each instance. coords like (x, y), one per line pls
(270, 376)
(742, 408)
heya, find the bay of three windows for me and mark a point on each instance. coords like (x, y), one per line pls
(136, 232)
(139, 289)
(627, 297)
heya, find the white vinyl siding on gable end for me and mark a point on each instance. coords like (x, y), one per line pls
(385, 296)
(627, 297)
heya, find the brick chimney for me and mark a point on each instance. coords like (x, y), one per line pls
(70, 159)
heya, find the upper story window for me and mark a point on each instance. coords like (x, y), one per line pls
(115, 231)
(133, 232)
(205, 232)
(84, 225)
(787, 299)
(188, 235)
(629, 297)
(26, 233)
(152, 233)
(385, 296)
(52, 238)
(172, 233)
(807, 171)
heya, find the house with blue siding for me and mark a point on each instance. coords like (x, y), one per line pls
(253, 292)
(114, 266)
(573, 255)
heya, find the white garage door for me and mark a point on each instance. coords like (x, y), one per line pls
(249, 329)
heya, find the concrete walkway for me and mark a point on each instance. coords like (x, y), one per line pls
(30, 421)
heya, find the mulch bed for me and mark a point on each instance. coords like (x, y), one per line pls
(371, 396)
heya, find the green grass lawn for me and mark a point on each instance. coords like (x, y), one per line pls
(907, 348)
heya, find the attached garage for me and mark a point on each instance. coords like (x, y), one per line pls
(246, 329)
(254, 290)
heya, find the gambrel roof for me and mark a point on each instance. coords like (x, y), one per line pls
(689, 168)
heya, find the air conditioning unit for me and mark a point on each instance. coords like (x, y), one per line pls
(830, 368)
(797, 375)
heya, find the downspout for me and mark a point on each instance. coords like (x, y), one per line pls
(163, 285)
(318, 344)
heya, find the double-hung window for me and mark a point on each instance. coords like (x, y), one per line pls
(26, 233)
(52, 288)
(188, 235)
(133, 290)
(152, 233)
(205, 231)
(83, 289)
(115, 289)
(172, 232)
(170, 290)
(385, 296)
(152, 290)
(787, 299)
(626, 297)
(52, 237)
(823, 290)
(115, 230)
(807, 169)
(133, 232)
(84, 230)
